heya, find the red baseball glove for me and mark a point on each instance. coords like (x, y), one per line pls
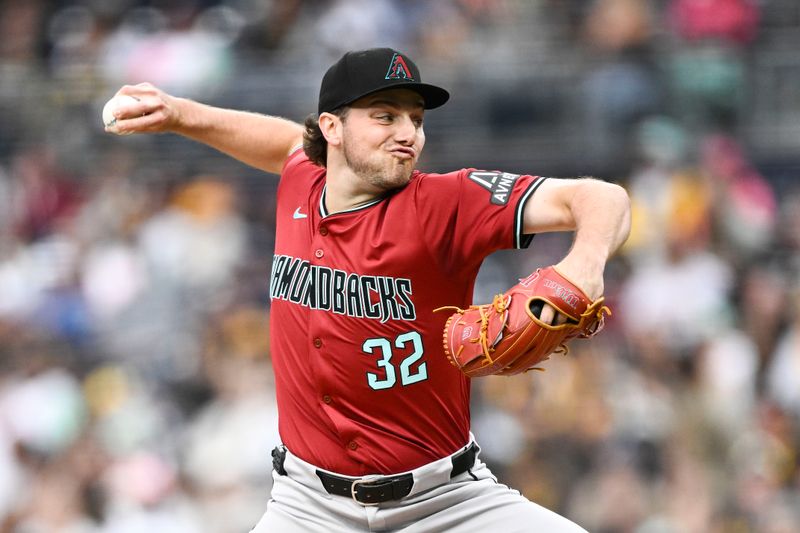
(506, 336)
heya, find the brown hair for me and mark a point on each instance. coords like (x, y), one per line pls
(314, 144)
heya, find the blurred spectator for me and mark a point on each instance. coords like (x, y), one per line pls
(708, 71)
(727, 380)
(764, 306)
(159, 47)
(20, 22)
(225, 460)
(783, 373)
(356, 24)
(735, 21)
(745, 205)
(680, 299)
(42, 197)
(621, 86)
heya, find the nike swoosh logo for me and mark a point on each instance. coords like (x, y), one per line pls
(298, 214)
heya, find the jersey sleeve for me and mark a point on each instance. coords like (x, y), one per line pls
(468, 214)
(296, 161)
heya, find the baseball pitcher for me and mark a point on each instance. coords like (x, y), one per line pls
(374, 338)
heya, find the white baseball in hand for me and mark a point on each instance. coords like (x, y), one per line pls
(109, 120)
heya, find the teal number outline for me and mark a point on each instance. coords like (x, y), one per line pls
(374, 381)
(422, 371)
(406, 377)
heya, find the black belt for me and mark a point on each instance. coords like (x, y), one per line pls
(371, 490)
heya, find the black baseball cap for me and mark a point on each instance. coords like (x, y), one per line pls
(364, 72)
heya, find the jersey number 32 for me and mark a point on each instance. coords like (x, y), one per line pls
(409, 374)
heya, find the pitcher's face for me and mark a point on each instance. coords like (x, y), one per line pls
(383, 137)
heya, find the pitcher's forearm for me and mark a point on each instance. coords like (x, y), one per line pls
(599, 214)
(602, 223)
(257, 140)
(602, 219)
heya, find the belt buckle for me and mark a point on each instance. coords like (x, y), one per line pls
(361, 481)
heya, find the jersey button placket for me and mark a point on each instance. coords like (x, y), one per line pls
(353, 445)
(317, 343)
(318, 253)
(323, 231)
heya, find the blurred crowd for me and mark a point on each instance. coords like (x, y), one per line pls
(136, 392)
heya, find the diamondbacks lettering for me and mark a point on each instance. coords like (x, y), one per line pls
(328, 289)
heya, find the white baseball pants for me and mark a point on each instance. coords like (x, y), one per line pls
(437, 503)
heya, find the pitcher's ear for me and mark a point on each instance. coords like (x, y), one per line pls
(331, 127)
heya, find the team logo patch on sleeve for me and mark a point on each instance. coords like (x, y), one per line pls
(499, 184)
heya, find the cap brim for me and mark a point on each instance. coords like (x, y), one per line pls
(432, 95)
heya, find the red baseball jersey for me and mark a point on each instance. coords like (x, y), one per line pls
(363, 385)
